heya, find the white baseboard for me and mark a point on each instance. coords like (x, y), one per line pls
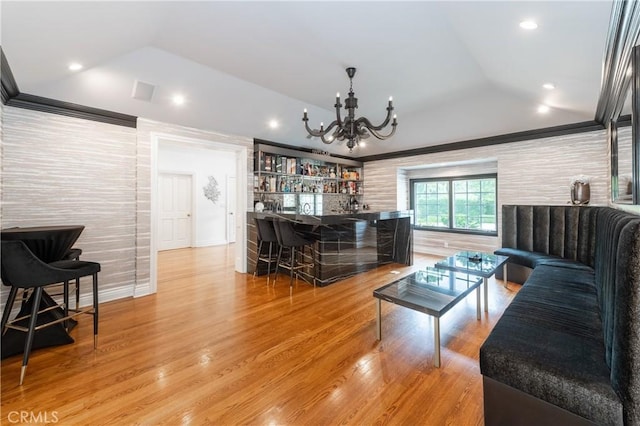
(142, 290)
(211, 243)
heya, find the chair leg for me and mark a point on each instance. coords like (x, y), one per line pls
(292, 265)
(95, 311)
(275, 276)
(37, 295)
(255, 270)
(77, 293)
(314, 254)
(66, 304)
(269, 263)
(8, 307)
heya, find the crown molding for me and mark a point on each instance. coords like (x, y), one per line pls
(566, 129)
(9, 87)
(11, 96)
(53, 106)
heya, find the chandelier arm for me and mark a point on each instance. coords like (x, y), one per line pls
(383, 137)
(318, 133)
(326, 141)
(370, 126)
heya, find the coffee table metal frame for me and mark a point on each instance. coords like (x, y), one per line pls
(421, 292)
(476, 263)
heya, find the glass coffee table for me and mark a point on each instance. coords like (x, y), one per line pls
(476, 263)
(431, 291)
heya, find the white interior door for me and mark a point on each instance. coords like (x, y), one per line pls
(231, 209)
(174, 199)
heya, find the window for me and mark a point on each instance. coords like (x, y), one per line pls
(463, 204)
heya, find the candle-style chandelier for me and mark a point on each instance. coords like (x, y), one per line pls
(351, 128)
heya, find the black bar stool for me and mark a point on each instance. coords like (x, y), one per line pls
(266, 234)
(21, 269)
(290, 240)
(72, 254)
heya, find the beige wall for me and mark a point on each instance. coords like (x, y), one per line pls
(529, 172)
(59, 170)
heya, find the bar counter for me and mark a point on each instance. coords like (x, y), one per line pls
(346, 244)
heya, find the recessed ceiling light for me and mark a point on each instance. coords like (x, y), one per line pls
(549, 86)
(543, 109)
(75, 66)
(528, 25)
(274, 124)
(178, 99)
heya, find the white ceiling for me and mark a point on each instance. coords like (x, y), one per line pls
(456, 70)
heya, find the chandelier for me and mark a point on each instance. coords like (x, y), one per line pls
(351, 128)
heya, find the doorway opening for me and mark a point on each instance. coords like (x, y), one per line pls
(184, 213)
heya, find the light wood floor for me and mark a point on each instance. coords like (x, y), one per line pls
(215, 347)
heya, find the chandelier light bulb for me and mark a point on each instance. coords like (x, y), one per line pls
(338, 95)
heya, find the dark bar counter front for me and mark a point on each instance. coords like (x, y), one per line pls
(346, 244)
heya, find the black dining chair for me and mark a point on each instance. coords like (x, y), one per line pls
(295, 243)
(266, 234)
(21, 269)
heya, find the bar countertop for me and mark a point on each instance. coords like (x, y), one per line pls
(336, 218)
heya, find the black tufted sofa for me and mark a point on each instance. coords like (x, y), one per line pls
(567, 349)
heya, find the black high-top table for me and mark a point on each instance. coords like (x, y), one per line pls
(49, 244)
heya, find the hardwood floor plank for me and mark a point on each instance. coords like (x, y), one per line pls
(217, 347)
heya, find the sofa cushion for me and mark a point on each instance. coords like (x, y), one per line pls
(523, 257)
(549, 343)
(532, 259)
(564, 263)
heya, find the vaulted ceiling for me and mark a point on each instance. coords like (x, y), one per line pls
(457, 70)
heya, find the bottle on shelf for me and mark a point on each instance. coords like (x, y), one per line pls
(289, 173)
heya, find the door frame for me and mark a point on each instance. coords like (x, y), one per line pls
(193, 200)
(242, 170)
(235, 212)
